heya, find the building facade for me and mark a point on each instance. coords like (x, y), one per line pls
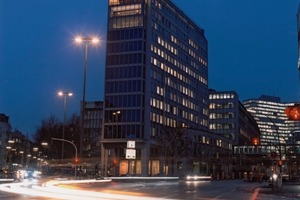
(278, 139)
(93, 119)
(20, 151)
(156, 77)
(229, 118)
(5, 129)
(273, 123)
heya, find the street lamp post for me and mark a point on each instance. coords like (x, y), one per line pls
(115, 120)
(64, 95)
(86, 41)
(279, 178)
(63, 140)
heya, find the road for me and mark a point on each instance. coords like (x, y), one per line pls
(179, 190)
(150, 190)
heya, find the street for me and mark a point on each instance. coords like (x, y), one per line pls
(106, 189)
(181, 190)
(146, 190)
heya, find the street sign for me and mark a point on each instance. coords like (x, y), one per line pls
(131, 144)
(130, 153)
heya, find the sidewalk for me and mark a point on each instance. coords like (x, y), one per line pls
(288, 190)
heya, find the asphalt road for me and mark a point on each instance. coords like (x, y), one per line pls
(147, 190)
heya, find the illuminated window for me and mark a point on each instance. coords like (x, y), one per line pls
(126, 22)
(133, 9)
(114, 2)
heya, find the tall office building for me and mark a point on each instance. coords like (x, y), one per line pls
(156, 76)
(273, 123)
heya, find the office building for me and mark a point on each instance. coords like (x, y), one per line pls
(229, 118)
(273, 123)
(156, 77)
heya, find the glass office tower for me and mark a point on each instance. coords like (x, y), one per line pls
(273, 123)
(156, 76)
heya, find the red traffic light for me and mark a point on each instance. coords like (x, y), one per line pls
(255, 141)
(293, 112)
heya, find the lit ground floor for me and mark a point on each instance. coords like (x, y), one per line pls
(147, 161)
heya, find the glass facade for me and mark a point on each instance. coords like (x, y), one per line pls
(156, 74)
(179, 93)
(229, 118)
(178, 69)
(125, 70)
(272, 121)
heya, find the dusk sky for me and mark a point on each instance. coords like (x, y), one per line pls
(252, 50)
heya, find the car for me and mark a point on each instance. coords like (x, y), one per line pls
(28, 174)
(198, 178)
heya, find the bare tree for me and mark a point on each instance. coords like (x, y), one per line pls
(174, 144)
(52, 128)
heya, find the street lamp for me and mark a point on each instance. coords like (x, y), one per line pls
(278, 178)
(86, 41)
(63, 140)
(116, 120)
(64, 95)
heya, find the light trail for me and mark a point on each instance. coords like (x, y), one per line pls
(51, 189)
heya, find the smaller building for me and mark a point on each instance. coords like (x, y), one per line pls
(20, 150)
(229, 118)
(92, 129)
(4, 131)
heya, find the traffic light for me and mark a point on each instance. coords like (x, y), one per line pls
(114, 163)
(279, 162)
(293, 112)
(76, 160)
(255, 141)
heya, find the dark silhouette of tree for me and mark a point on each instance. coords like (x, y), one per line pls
(174, 144)
(50, 127)
(72, 133)
(53, 128)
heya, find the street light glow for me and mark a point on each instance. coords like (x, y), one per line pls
(116, 113)
(78, 39)
(93, 40)
(61, 93)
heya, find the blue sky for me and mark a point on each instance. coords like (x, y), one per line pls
(252, 50)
